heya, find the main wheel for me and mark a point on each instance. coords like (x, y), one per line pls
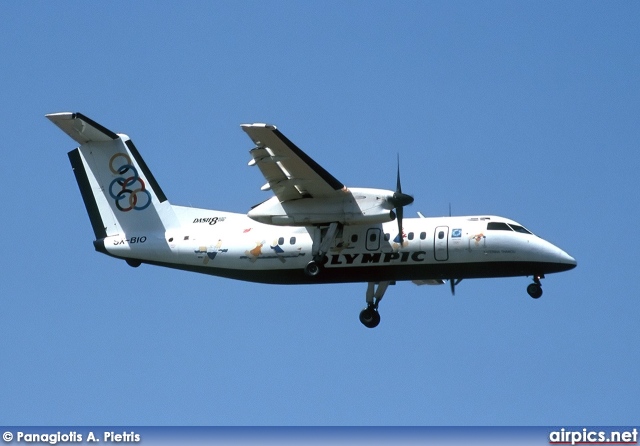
(534, 290)
(312, 269)
(369, 317)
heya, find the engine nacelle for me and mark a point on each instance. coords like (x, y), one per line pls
(351, 207)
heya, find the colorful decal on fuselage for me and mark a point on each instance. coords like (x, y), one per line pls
(278, 252)
(477, 238)
(209, 253)
(396, 245)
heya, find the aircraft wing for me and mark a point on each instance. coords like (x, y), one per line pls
(289, 172)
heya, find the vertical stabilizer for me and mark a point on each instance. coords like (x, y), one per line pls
(120, 193)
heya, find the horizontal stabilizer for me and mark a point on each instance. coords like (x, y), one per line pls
(81, 128)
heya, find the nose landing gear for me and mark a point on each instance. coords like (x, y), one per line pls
(535, 289)
(370, 317)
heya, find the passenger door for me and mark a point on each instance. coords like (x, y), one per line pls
(373, 239)
(441, 243)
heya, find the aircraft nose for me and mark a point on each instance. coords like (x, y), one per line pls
(569, 260)
(557, 259)
(565, 259)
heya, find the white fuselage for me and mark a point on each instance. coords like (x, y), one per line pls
(433, 249)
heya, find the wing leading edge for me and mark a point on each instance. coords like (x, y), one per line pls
(290, 173)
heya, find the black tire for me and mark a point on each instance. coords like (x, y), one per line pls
(312, 269)
(534, 290)
(369, 317)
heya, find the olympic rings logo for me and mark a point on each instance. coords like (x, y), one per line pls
(131, 193)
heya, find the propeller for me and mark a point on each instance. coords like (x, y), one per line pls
(453, 283)
(399, 200)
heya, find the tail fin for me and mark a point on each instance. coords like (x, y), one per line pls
(120, 193)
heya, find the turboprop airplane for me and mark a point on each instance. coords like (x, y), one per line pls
(313, 230)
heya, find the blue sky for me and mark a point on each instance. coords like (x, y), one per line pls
(523, 109)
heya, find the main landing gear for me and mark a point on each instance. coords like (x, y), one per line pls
(370, 317)
(312, 269)
(327, 237)
(535, 289)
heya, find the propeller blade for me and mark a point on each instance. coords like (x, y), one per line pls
(398, 201)
(398, 186)
(453, 283)
(399, 216)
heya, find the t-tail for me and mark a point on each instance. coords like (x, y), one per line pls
(126, 206)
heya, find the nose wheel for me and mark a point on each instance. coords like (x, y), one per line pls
(535, 289)
(370, 317)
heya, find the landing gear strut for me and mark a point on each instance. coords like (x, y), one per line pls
(327, 237)
(535, 289)
(370, 317)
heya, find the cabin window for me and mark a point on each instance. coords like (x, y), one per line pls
(410, 236)
(423, 235)
(441, 235)
(354, 238)
(292, 241)
(387, 237)
(520, 229)
(186, 237)
(171, 239)
(281, 241)
(498, 226)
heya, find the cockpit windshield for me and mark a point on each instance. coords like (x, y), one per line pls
(498, 226)
(501, 226)
(520, 229)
